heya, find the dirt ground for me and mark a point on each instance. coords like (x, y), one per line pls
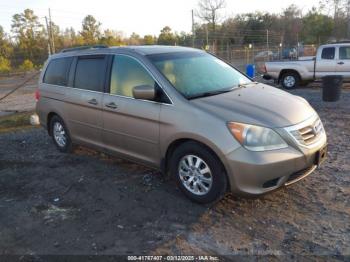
(87, 203)
(23, 99)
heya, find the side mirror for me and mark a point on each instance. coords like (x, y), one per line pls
(144, 92)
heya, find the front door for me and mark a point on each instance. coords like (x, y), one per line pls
(326, 62)
(343, 63)
(131, 126)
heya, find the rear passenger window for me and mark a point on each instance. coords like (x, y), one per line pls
(328, 53)
(90, 73)
(57, 71)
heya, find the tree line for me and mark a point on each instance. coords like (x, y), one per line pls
(30, 41)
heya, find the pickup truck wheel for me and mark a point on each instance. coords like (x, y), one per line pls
(290, 80)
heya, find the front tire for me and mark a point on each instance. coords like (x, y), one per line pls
(60, 135)
(290, 80)
(198, 173)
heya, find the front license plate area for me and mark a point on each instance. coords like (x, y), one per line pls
(321, 156)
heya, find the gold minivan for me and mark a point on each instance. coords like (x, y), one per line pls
(182, 111)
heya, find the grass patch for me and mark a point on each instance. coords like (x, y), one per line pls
(15, 122)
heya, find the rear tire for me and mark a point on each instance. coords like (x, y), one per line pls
(198, 173)
(60, 135)
(290, 80)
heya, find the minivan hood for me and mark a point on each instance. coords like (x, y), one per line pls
(258, 104)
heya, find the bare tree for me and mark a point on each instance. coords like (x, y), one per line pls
(333, 7)
(208, 10)
(339, 9)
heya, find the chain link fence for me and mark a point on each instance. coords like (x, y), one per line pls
(242, 55)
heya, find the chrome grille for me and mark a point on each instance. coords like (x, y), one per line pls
(308, 134)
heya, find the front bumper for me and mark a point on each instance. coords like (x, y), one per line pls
(255, 173)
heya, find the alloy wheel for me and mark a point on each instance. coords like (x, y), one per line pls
(195, 175)
(59, 134)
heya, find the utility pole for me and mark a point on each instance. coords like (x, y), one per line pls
(193, 30)
(297, 46)
(51, 33)
(206, 32)
(348, 11)
(281, 46)
(48, 36)
(267, 44)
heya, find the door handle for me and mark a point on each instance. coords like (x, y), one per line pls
(341, 63)
(112, 105)
(93, 101)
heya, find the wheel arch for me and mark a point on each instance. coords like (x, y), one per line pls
(284, 71)
(48, 121)
(180, 141)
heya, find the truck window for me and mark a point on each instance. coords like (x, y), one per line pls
(344, 52)
(57, 71)
(328, 53)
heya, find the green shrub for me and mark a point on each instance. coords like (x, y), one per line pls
(5, 65)
(27, 65)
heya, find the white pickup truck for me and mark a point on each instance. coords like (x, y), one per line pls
(332, 59)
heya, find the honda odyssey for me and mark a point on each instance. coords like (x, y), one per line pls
(182, 111)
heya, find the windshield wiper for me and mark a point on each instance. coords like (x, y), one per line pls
(211, 93)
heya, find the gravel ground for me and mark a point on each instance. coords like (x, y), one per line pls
(89, 203)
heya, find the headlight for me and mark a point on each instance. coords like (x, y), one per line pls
(256, 138)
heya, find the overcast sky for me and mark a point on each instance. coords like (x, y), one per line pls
(141, 16)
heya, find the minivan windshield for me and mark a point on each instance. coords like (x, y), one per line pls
(198, 74)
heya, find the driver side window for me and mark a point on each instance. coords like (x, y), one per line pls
(328, 53)
(126, 74)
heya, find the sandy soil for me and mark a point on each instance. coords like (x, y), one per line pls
(21, 100)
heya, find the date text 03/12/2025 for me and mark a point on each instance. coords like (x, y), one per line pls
(173, 258)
